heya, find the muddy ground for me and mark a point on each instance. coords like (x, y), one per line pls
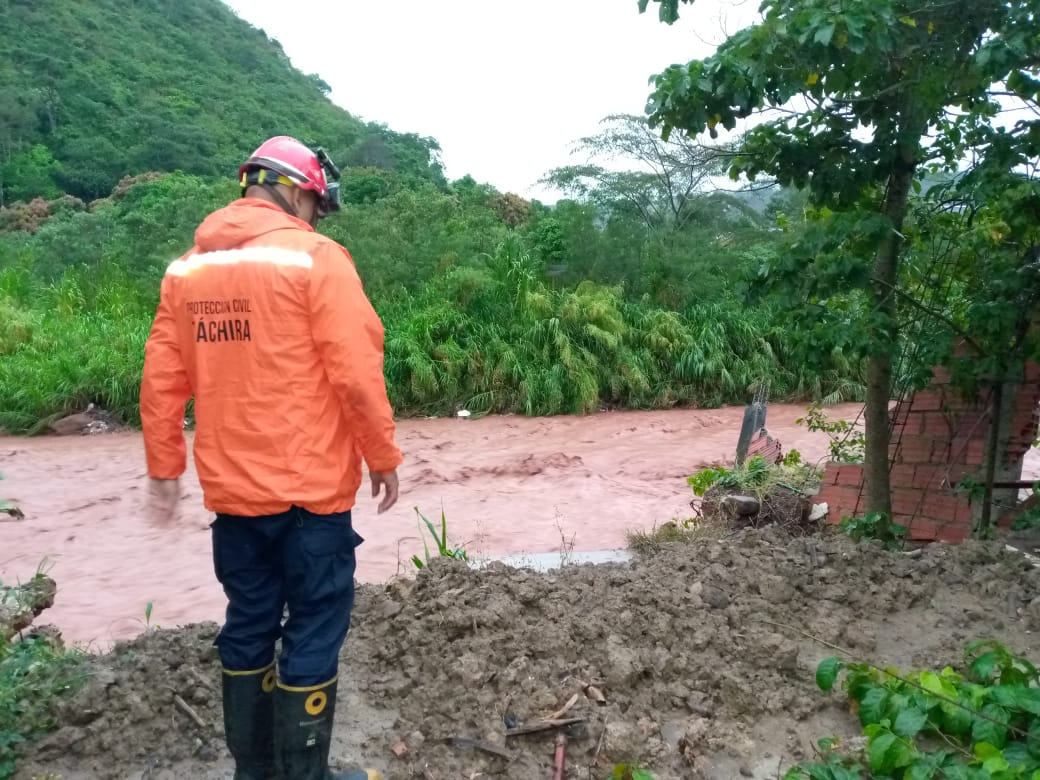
(702, 653)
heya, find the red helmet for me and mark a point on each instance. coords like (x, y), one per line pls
(288, 158)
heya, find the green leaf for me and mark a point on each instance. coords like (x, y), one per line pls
(922, 770)
(956, 720)
(983, 730)
(1017, 698)
(827, 672)
(887, 752)
(825, 34)
(1017, 754)
(932, 683)
(872, 706)
(983, 667)
(992, 759)
(909, 722)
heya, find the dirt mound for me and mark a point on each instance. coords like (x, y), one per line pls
(701, 653)
(778, 506)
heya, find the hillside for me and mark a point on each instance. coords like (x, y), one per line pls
(92, 92)
(121, 126)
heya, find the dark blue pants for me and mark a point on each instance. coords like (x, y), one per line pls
(296, 558)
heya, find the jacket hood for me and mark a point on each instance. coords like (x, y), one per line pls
(242, 221)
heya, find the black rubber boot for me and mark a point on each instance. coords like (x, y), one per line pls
(249, 722)
(303, 734)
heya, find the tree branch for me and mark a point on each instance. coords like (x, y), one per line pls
(931, 312)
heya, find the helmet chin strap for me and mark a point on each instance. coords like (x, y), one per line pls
(271, 188)
(280, 199)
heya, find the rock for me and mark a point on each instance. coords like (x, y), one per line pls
(744, 506)
(715, 598)
(700, 703)
(693, 741)
(818, 512)
(400, 589)
(72, 425)
(621, 662)
(89, 422)
(50, 633)
(208, 753)
(1033, 614)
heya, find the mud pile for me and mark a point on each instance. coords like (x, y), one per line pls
(704, 655)
(778, 506)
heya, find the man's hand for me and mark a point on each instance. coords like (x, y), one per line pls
(164, 495)
(388, 480)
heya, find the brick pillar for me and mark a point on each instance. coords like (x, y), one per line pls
(938, 439)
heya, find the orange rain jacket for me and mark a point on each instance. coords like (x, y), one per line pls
(265, 322)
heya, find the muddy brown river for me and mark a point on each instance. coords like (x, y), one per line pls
(508, 485)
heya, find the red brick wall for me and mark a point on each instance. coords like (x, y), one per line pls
(938, 438)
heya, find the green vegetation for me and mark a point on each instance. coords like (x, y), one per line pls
(863, 106)
(847, 442)
(758, 477)
(490, 302)
(472, 317)
(629, 772)
(980, 723)
(34, 671)
(440, 542)
(91, 92)
(875, 525)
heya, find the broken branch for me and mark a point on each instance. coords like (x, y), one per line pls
(542, 725)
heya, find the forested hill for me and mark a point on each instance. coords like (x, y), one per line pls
(93, 91)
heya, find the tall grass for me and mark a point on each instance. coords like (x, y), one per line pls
(476, 337)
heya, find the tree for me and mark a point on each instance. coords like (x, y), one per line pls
(859, 99)
(674, 172)
(29, 175)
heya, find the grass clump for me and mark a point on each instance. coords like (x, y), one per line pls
(440, 543)
(674, 531)
(758, 477)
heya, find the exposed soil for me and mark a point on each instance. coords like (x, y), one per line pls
(701, 652)
(508, 485)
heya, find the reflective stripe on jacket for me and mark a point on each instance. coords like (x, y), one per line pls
(266, 324)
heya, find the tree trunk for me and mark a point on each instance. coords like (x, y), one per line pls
(879, 366)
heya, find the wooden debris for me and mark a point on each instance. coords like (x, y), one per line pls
(187, 710)
(565, 708)
(542, 725)
(595, 694)
(13, 513)
(468, 743)
(400, 750)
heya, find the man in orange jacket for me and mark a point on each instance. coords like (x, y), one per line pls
(266, 324)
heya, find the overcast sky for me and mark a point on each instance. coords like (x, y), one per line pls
(504, 87)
